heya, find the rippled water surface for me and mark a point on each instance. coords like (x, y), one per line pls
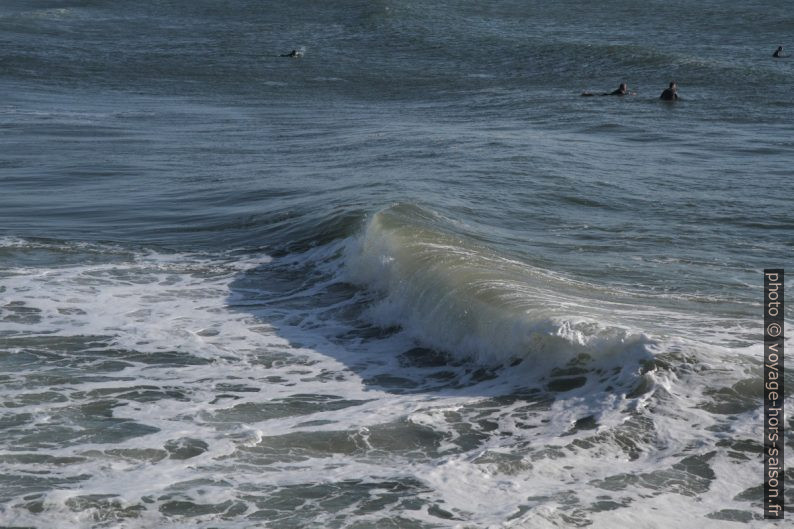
(411, 279)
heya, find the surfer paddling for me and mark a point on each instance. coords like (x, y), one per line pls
(622, 90)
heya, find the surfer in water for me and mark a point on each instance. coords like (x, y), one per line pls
(670, 93)
(295, 54)
(779, 53)
(622, 90)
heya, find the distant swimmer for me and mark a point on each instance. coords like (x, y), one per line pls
(295, 54)
(622, 90)
(670, 93)
(779, 53)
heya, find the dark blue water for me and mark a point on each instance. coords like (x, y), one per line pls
(407, 271)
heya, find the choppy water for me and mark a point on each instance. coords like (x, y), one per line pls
(409, 280)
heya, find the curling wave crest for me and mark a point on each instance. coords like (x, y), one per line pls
(453, 294)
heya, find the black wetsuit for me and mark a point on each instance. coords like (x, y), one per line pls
(777, 54)
(618, 92)
(668, 95)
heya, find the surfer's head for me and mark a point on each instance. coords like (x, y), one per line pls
(673, 85)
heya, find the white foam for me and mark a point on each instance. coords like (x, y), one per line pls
(466, 300)
(530, 465)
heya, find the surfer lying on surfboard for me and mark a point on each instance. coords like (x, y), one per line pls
(622, 90)
(295, 54)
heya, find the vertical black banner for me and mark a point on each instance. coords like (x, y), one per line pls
(773, 394)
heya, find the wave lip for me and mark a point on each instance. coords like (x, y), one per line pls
(454, 295)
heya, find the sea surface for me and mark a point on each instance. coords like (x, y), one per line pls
(409, 280)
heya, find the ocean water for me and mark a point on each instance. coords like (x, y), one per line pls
(409, 280)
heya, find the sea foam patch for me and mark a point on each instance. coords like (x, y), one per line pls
(147, 388)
